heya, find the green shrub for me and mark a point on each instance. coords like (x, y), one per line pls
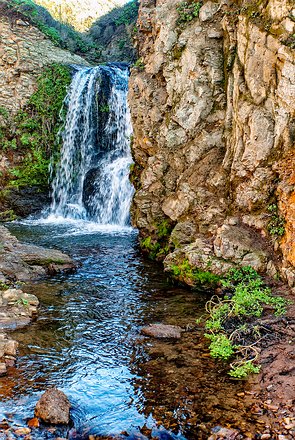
(139, 64)
(243, 370)
(220, 347)
(33, 131)
(276, 224)
(127, 14)
(187, 11)
(231, 319)
(199, 278)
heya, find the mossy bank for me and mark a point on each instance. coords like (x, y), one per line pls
(30, 139)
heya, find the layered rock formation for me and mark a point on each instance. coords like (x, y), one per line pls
(213, 107)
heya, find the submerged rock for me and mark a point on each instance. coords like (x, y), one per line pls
(53, 407)
(17, 308)
(224, 433)
(162, 331)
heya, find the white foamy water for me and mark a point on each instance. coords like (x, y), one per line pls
(91, 187)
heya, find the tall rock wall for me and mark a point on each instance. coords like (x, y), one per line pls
(213, 109)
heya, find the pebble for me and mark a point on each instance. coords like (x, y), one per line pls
(3, 369)
(33, 423)
(265, 436)
(22, 431)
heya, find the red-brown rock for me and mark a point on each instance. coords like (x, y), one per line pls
(53, 407)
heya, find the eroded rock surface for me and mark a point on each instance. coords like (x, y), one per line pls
(53, 407)
(213, 113)
(24, 52)
(24, 262)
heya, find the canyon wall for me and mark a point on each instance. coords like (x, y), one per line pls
(33, 84)
(212, 99)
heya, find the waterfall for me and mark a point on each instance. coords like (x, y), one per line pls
(91, 181)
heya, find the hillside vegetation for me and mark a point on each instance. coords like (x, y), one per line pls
(80, 14)
(109, 38)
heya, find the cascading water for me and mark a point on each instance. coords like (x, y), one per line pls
(91, 181)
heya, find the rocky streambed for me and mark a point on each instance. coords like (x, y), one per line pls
(96, 340)
(21, 262)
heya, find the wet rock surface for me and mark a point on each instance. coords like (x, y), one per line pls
(53, 407)
(160, 331)
(17, 309)
(24, 262)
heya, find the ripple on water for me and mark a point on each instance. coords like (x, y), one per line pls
(86, 342)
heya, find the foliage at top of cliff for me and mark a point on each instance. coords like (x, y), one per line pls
(125, 15)
(60, 34)
(80, 14)
(114, 32)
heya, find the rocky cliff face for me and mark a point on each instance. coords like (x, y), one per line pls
(213, 108)
(24, 52)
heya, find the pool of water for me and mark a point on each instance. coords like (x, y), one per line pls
(86, 341)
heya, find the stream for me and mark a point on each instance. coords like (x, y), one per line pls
(86, 341)
(87, 338)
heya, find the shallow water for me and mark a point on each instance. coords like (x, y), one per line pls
(87, 342)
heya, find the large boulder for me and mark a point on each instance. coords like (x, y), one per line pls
(53, 407)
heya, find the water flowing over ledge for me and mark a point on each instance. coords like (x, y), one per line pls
(91, 182)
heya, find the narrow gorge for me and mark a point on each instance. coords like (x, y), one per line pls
(147, 267)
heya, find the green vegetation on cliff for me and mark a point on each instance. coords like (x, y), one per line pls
(187, 11)
(184, 272)
(32, 134)
(114, 32)
(157, 246)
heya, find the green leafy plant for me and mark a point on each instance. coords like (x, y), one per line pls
(276, 224)
(187, 11)
(139, 64)
(150, 245)
(3, 286)
(22, 302)
(230, 322)
(127, 14)
(196, 277)
(220, 346)
(33, 131)
(243, 370)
